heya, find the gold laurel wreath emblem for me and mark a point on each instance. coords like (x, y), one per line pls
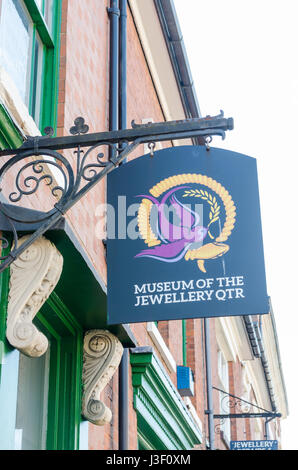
(211, 250)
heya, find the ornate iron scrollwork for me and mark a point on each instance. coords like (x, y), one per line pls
(40, 165)
(233, 407)
(28, 185)
(230, 404)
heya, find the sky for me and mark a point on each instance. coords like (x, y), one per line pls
(243, 56)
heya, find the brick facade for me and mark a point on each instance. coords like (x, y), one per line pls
(84, 91)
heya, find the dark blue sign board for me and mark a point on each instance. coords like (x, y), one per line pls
(254, 445)
(184, 237)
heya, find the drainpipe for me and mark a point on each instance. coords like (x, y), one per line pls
(117, 117)
(210, 410)
(124, 364)
(123, 66)
(114, 13)
(123, 401)
(267, 433)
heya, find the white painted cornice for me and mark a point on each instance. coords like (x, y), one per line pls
(272, 355)
(232, 338)
(256, 378)
(15, 106)
(157, 56)
(161, 346)
(19, 113)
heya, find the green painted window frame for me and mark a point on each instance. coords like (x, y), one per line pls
(50, 62)
(65, 379)
(51, 55)
(163, 420)
(4, 287)
(10, 137)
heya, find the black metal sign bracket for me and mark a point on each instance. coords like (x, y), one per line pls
(242, 409)
(39, 158)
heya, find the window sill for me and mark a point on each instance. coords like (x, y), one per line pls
(19, 114)
(161, 347)
(193, 412)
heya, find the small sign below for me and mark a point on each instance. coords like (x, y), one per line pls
(254, 445)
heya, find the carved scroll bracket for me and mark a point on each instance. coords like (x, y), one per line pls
(33, 276)
(102, 355)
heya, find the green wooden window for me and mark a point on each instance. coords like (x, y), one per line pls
(65, 337)
(32, 400)
(9, 135)
(163, 419)
(29, 40)
(4, 284)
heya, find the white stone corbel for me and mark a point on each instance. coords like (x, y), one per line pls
(102, 355)
(33, 276)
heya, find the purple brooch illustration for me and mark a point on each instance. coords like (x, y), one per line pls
(175, 236)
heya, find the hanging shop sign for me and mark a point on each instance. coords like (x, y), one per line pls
(254, 445)
(184, 237)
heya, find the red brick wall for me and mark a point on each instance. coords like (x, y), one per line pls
(233, 392)
(84, 91)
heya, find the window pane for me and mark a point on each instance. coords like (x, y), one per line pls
(31, 418)
(15, 32)
(36, 77)
(39, 4)
(48, 13)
